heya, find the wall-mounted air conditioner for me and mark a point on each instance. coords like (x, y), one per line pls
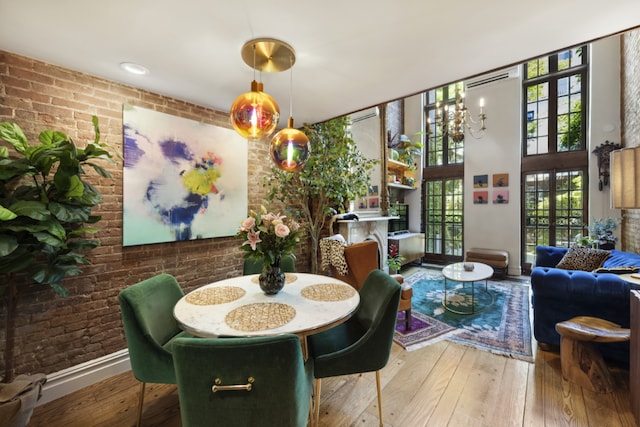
(498, 76)
(361, 115)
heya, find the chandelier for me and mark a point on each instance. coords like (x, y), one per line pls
(453, 120)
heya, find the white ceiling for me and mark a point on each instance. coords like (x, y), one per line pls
(350, 54)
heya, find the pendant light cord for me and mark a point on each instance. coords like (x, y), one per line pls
(291, 88)
(254, 62)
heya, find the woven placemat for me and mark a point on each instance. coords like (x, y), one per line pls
(216, 295)
(288, 278)
(328, 292)
(260, 316)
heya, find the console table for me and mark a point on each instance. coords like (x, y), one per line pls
(410, 246)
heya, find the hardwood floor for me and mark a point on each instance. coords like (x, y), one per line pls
(443, 384)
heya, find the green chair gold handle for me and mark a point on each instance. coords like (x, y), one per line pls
(234, 387)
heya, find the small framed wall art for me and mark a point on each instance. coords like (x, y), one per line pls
(500, 197)
(480, 181)
(500, 179)
(480, 197)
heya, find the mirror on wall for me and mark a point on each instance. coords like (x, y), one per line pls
(366, 126)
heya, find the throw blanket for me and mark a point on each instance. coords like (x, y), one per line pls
(332, 254)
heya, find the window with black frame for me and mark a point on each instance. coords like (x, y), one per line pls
(443, 179)
(555, 160)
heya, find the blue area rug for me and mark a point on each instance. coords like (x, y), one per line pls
(501, 323)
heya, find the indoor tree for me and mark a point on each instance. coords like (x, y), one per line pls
(335, 174)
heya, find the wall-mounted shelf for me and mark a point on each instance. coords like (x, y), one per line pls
(396, 164)
(400, 186)
(400, 175)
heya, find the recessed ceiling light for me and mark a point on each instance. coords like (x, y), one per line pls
(132, 68)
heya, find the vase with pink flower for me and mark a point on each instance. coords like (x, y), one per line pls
(269, 237)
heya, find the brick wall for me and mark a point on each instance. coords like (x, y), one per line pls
(394, 121)
(631, 126)
(55, 333)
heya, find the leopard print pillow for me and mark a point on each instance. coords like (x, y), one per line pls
(581, 258)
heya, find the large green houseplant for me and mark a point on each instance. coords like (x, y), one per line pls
(335, 174)
(45, 214)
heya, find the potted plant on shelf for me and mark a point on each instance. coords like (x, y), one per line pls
(406, 150)
(45, 207)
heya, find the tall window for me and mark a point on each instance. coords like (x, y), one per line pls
(555, 89)
(444, 176)
(555, 161)
(552, 220)
(443, 215)
(442, 150)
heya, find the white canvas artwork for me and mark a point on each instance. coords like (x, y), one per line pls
(182, 179)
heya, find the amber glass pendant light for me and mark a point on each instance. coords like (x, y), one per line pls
(290, 148)
(255, 114)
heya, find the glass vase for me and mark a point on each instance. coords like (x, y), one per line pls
(271, 279)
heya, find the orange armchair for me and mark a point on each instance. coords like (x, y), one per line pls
(361, 259)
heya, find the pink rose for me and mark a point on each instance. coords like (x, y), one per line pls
(282, 230)
(248, 223)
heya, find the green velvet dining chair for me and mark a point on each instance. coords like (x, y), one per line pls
(362, 343)
(235, 382)
(150, 329)
(254, 266)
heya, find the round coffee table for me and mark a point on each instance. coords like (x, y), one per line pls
(457, 273)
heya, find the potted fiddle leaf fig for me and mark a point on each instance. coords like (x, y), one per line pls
(45, 216)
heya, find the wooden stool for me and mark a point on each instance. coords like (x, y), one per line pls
(581, 362)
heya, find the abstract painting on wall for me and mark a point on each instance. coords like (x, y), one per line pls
(182, 179)
(480, 181)
(480, 197)
(501, 196)
(500, 179)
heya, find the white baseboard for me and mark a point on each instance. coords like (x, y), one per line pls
(514, 270)
(72, 379)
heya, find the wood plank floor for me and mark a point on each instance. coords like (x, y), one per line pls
(443, 384)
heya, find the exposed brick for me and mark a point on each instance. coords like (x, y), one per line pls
(72, 86)
(630, 83)
(29, 75)
(11, 82)
(54, 333)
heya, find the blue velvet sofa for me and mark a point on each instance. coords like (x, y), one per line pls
(560, 294)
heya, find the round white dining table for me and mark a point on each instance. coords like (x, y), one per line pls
(237, 307)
